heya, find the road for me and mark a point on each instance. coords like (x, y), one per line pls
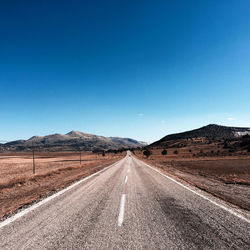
(126, 206)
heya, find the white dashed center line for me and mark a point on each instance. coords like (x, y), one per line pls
(121, 212)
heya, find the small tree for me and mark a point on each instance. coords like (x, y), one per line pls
(176, 152)
(147, 153)
(226, 144)
(103, 153)
(164, 152)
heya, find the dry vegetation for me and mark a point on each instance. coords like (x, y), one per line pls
(210, 167)
(19, 187)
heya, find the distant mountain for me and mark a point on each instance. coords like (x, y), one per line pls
(211, 131)
(73, 140)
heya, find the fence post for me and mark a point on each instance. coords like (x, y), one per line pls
(34, 165)
(80, 157)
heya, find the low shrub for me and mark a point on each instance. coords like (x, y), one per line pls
(164, 152)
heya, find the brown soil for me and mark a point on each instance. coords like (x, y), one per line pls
(19, 187)
(227, 177)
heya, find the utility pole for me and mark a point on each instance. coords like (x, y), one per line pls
(34, 165)
(80, 157)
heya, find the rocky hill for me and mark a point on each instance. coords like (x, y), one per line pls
(73, 140)
(211, 131)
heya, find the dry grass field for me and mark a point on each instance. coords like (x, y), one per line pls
(19, 187)
(222, 174)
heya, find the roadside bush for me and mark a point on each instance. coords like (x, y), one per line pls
(226, 145)
(246, 136)
(245, 141)
(147, 153)
(164, 152)
(176, 152)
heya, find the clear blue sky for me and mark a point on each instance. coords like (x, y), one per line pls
(139, 69)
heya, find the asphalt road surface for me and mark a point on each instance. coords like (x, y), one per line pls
(127, 206)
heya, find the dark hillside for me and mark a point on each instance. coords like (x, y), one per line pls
(211, 131)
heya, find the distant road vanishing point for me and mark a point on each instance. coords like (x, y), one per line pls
(128, 205)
